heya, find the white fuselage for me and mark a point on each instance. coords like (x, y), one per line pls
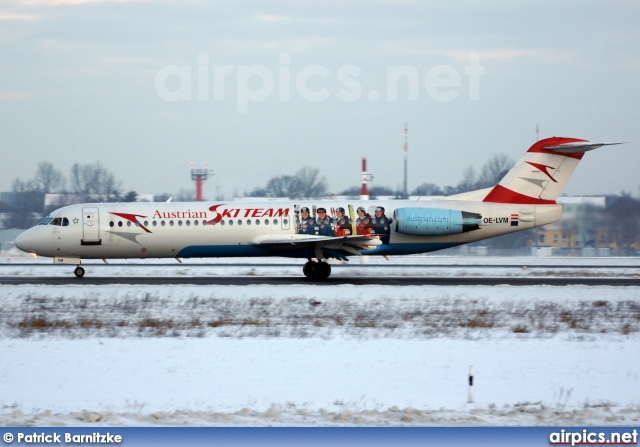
(206, 229)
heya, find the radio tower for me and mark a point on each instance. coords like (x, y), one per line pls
(364, 191)
(405, 193)
(199, 176)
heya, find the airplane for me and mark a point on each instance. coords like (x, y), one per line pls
(525, 198)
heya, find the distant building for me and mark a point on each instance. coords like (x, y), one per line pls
(583, 225)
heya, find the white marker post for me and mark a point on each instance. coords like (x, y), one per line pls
(470, 399)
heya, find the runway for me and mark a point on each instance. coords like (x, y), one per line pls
(401, 271)
(346, 266)
(332, 281)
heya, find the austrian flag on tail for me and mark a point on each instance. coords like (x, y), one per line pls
(514, 220)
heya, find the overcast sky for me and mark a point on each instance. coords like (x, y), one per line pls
(260, 89)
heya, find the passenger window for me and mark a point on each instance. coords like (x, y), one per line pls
(111, 224)
(230, 222)
(128, 223)
(221, 222)
(155, 223)
(239, 222)
(266, 221)
(195, 222)
(248, 221)
(120, 223)
(179, 223)
(162, 223)
(146, 223)
(170, 223)
(257, 221)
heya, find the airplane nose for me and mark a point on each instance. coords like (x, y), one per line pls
(24, 242)
(21, 241)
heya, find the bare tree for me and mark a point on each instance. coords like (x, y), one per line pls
(427, 189)
(131, 196)
(353, 191)
(283, 186)
(376, 191)
(310, 183)
(48, 178)
(494, 170)
(25, 212)
(469, 180)
(25, 206)
(93, 179)
(22, 185)
(305, 183)
(162, 197)
(185, 195)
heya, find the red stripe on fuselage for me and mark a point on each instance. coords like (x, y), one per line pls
(132, 218)
(500, 194)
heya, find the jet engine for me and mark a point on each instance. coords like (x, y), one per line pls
(435, 221)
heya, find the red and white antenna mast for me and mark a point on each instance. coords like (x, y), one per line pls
(405, 192)
(199, 176)
(364, 191)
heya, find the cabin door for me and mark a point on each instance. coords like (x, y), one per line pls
(90, 225)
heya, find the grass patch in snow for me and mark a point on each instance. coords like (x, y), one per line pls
(117, 313)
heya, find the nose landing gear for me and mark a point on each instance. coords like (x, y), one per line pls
(79, 271)
(316, 270)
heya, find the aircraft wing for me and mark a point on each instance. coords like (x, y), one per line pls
(338, 246)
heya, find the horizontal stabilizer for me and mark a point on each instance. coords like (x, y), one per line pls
(577, 147)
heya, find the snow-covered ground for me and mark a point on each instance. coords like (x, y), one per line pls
(307, 355)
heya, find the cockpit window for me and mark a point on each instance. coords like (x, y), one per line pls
(59, 221)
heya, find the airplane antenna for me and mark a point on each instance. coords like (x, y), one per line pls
(405, 193)
(199, 176)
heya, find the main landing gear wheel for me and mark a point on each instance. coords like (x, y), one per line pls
(79, 272)
(316, 270)
(308, 268)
